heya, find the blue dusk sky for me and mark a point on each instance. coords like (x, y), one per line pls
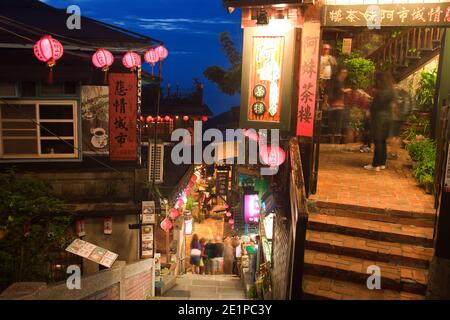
(189, 29)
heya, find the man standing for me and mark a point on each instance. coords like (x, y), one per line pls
(217, 261)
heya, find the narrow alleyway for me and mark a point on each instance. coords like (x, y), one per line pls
(206, 287)
(361, 219)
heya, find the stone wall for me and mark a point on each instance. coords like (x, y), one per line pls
(122, 282)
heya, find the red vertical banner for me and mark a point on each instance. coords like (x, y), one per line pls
(309, 64)
(122, 116)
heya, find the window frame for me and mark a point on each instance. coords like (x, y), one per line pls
(39, 156)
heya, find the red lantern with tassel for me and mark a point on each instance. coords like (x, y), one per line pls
(174, 213)
(131, 60)
(103, 59)
(166, 225)
(162, 52)
(48, 50)
(231, 221)
(151, 57)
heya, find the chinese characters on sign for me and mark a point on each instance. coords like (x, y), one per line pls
(251, 208)
(122, 116)
(92, 252)
(308, 78)
(265, 79)
(419, 14)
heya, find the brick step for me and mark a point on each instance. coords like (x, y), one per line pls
(420, 219)
(332, 289)
(376, 230)
(345, 268)
(390, 252)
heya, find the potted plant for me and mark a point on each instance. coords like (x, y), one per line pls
(426, 92)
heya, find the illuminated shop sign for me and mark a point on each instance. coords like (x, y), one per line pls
(251, 208)
(387, 15)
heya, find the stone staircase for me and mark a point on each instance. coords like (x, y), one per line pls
(342, 241)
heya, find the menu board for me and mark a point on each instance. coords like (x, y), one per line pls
(147, 236)
(92, 252)
(148, 212)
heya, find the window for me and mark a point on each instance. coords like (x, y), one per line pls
(38, 129)
(58, 89)
(8, 89)
(156, 160)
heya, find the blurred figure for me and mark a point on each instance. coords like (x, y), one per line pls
(209, 255)
(195, 255)
(255, 258)
(236, 243)
(203, 257)
(217, 261)
(335, 101)
(327, 65)
(381, 119)
(228, 256)
(401, 109)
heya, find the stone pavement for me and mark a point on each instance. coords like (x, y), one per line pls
(342, 179)
(206, 287)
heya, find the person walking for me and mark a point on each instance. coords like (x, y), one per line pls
(381, 119)
(217, 261)
(195, 255)
(209, 255)
(202, 256)
(335, 101)
(228, 256)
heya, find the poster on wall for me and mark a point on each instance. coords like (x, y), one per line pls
(92, 252)
(265, 79)
(95, 119)
(80, 228)
(107, 225)
(122, 116)
(252, 209)
(308, 78)
(148, 212)
(147, 243)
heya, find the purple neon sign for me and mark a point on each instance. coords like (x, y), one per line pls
(251, 208)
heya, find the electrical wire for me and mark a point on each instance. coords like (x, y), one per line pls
(61, 139)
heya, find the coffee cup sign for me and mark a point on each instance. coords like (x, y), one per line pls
(99, 138)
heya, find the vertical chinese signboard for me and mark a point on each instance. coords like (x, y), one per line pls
(267, 77)
(308, 78)
(122, 116)
(265, 81)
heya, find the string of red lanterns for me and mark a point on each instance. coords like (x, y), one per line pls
(49, 50)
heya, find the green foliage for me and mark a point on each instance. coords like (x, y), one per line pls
(424, 152)
(356, 118)
(36, 227)
(426, 90)
(416, 126)
(228, 80)
(360, 72)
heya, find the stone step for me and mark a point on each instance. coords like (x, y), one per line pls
(390, 252)
(375, 230)
(416, 218)
(332, 289)
(351, 269)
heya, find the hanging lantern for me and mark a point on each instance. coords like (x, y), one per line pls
(185, 118)
(162, 52)
(274, 156)
(231, 221)
(48, 50)
(180, 203)
(151, 57)
(167, 118)
(204, 118)
(194, 178)
(141, 118)
(174, 213)
(166, 225)
(131, 60)
(149, 119)
(103, 59)
(228, 214)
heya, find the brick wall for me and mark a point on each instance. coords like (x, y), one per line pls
(122, 282)
(281, 256)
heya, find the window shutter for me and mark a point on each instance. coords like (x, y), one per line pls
(156, 161)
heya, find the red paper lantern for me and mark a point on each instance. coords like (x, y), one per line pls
(48, 50)
(204, 118)
(162, 52)
(180, 203)
(228, 214)
(131, 60)
(102, 59)
(167, 118)
(166, 225)
(149, 119)
(274, 156)
(194, 178)
(185, 118)
(151, 57)
(174, 213)
(231, 221)
(141, 118)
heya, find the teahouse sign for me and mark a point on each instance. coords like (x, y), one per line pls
(375, 16)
